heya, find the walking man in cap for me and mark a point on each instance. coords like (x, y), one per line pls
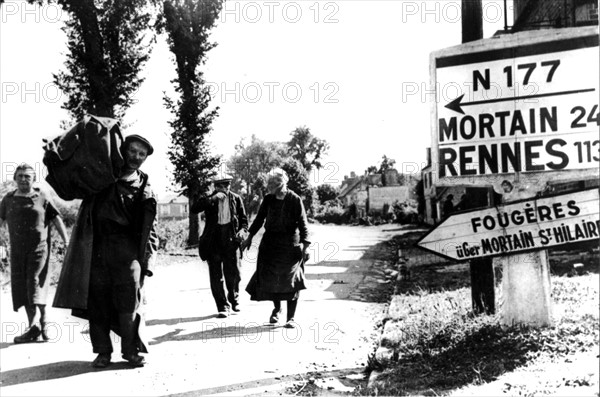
(226, 226)
(110, 256)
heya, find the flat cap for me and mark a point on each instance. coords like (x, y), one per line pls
(141, 139)
(222, 177)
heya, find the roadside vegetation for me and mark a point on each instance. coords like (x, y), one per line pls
(440, 348)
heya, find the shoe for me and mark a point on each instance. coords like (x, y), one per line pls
(223, 314)
(291, 324)
(134, 360)
(274, 319)
(30, 335)
(236, 308)
(101, 361)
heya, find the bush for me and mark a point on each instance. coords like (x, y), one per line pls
(331, 212)
(172, 234)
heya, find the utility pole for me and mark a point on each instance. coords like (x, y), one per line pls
(483, 295)
(472, 20)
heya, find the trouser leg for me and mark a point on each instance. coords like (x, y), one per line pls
(126, 300)
(128, 328)
(99, 307)
(217, 282)
(291, 309)
(231, 270)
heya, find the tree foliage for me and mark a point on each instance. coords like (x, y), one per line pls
(188, 24)
(326, 192)
(386, 164)
(299, 182)
(297, 157)
(109, 42)
(249, 165)
(255, 158)
(307, 148)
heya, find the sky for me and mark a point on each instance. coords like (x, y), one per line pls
(355, 72)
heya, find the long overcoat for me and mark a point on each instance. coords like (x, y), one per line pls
(73, 286)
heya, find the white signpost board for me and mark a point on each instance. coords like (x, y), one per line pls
(517, 227)
(522, 108)
(523, 104)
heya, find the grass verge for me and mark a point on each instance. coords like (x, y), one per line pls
(440, 348)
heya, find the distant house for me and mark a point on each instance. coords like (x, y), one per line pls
(354, 191)
(380, 196)
(370, 193)
(173, 207)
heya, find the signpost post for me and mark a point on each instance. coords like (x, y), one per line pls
(519, 109)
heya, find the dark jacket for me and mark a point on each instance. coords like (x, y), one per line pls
(239, 220)
(73, 285)
(86, 159)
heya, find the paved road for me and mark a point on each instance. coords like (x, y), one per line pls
(192, 352)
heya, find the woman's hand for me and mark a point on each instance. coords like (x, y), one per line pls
(246, 244)
(305, 254)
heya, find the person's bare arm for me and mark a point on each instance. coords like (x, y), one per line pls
(60, 227)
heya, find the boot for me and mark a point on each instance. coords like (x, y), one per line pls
(30, 335)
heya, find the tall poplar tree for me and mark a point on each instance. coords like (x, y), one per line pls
(188, 24)
(108, 41)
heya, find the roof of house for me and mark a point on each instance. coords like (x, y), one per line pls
(349, 185)
(174, 199)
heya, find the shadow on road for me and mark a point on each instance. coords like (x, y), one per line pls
(359, 280)
(175, 321)
(4, 345)
(63, 369)
(212, 330)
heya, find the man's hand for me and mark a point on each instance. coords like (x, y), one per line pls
(143, 274)
(220, 196)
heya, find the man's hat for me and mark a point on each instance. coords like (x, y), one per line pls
(141, 139)
(222, 177)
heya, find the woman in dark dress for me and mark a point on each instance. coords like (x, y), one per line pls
(280, 265)
(28, 212)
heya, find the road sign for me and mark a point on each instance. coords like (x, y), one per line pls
(526, 225)
(517, 104)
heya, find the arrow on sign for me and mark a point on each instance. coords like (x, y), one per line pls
(526, 225)
(457, 104)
